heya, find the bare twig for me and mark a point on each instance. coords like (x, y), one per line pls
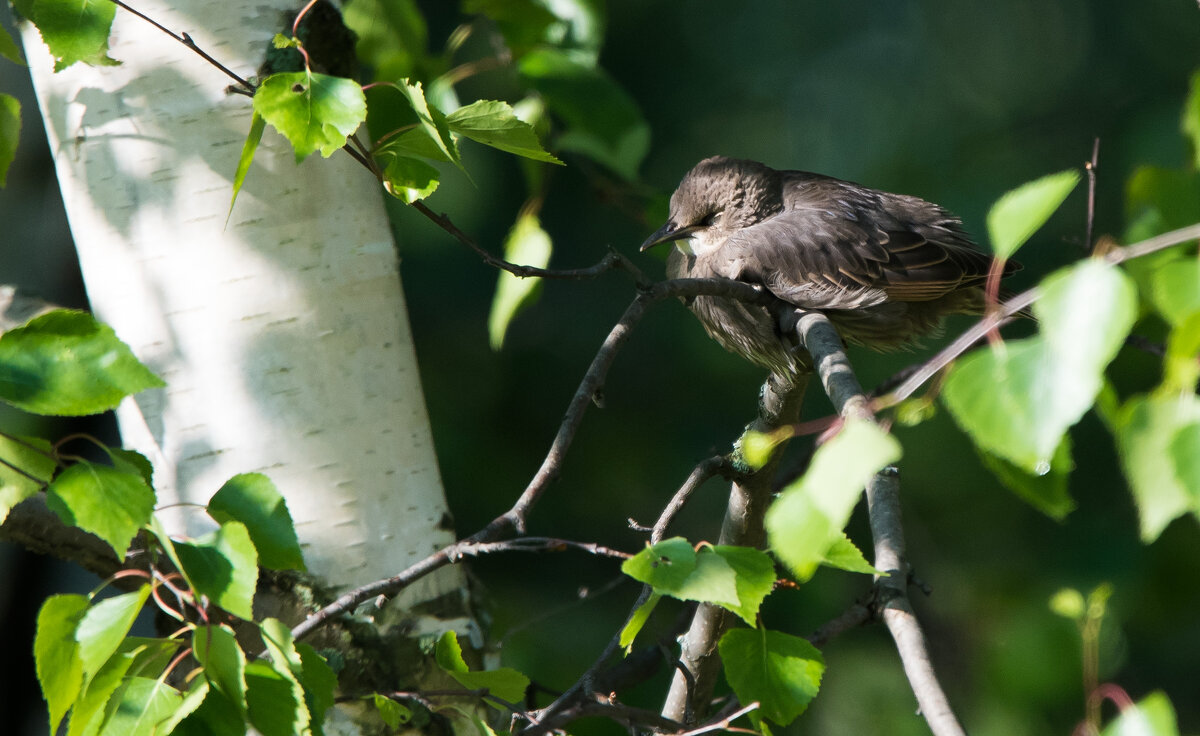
(1091, 167)
(186, 40)
(706, 469)
(513, 520)
(820, 338)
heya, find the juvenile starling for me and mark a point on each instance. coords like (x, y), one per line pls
(885, 268)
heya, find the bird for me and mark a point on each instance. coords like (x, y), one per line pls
(885, 268)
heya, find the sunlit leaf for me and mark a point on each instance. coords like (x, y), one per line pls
(431, 120)
(1175, 289)
(224, 662)
(26, 465)
(105, 625)
(1021, 212)
(1191, 118)
(112, 503)
(56, 653)
(809, 515)
(637, 621)
(410, 179)
(223, 566)
(504, 682)
(1146, 430)
(672, 567)
(393, 714)
(66, 363)
(252, 499)
(75, 30)
(1017, 400)
(315, 112)
(275, 700)
(527, 244)
(10, 131)
(144, 704)
(257, 125)
(843, 555)
(754, 577)
(494, 124)
(779, 671)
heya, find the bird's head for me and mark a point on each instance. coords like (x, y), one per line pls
(718, 196)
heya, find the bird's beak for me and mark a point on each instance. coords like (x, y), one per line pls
(668, 233)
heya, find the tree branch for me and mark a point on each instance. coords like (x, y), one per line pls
(820, 338)
(690, 691)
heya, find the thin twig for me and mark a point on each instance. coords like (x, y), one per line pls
(1091, 167)
(186, 40)
(704, 470)
(513, 520)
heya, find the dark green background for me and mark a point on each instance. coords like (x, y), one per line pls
(953, 101)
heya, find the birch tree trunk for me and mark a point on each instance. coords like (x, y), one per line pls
(282, 332)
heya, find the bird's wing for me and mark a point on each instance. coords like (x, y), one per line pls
(838, 245)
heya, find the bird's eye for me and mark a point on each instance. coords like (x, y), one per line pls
(710, 220)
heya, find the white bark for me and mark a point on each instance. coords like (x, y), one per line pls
(282, 335)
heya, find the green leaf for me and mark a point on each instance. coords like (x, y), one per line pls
(1191, 118)
(252, 499)
(494, 124)
(504, 683)
(393, 714)
(144, 704)
(1146, 432)
(9, 48)
(843, 555)
(637, 620)
(26, 465)
(112, 503)
(757, 447)
(105, 626)
(215, 715)
(223, 566)
(430, 120)
(527, 244)
(1021, 212)
(781, 672)
(257, 125)
(1046, 492)
(191, 703)
(602, 121)
(1181, 370)
(1153, 715)
(224, 662)
(409, 179)
(56, 653)
(319, 682)
(90, 710)
(66, 363)
(809, 515)
(1175, 289)
(75, 30)
(10, 131)
(275, 700)
(1017, 400)
(315, 112)
(754, 578)
(672, 567)
(131, 461)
